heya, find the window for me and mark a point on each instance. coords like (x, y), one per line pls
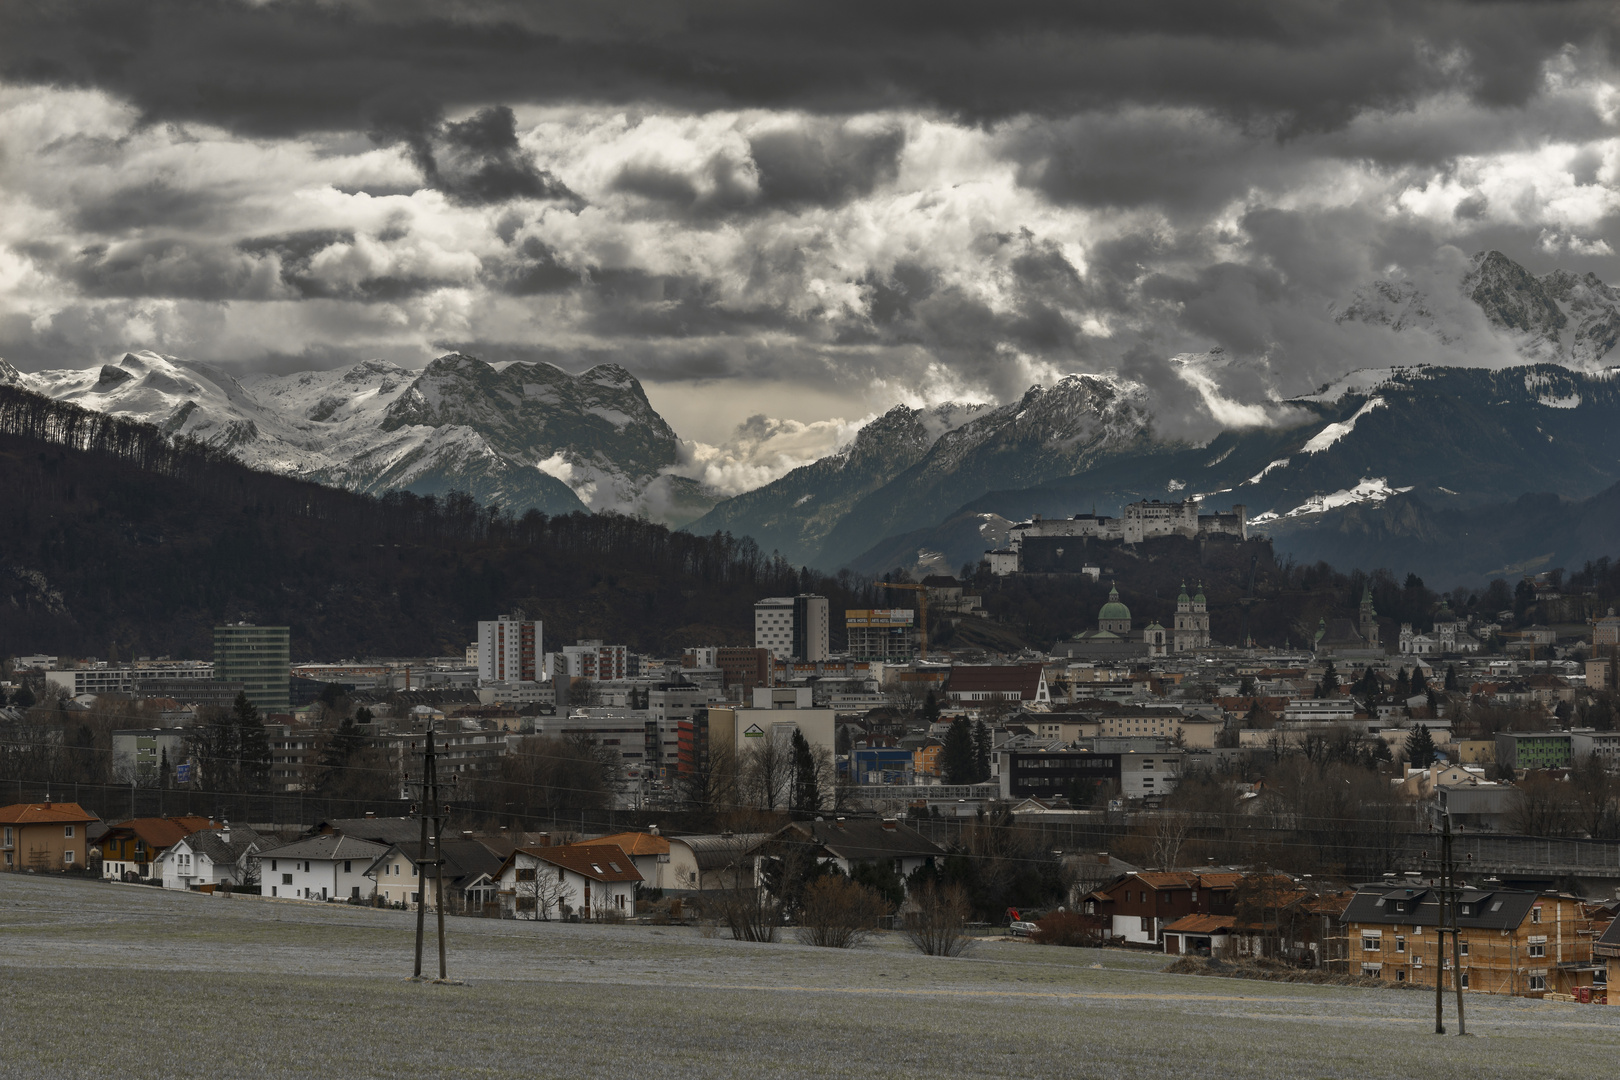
(272, 864)
(67, 856)
(1371, 969)
(1463, 946)
(1535, 914)
(347, 867)
(1400, 976)
(1371, 944)
(1537, 950)
(67, 830)
(1464, 977)
(1147, 924)
(1400, 944)
(286, 879)
(1538, 982)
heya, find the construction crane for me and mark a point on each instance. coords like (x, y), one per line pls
(922, 612)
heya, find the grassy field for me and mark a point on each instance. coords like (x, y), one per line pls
(115, 981)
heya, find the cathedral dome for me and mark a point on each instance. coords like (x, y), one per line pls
(1113, 610)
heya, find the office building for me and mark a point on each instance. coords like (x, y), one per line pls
(793, 627)
(258, 657)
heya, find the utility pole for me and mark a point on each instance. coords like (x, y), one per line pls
(421, 853)
(438, 847)
(1456, 927)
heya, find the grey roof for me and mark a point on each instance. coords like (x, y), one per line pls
(381, 830)
(464, 860)
(329, 846)
(1419, 905)
(866, 839)
(211, 842)
(1611, 939)
(720, 850)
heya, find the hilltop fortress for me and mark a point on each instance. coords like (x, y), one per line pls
(1140, 521)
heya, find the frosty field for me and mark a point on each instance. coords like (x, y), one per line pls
(117, 981)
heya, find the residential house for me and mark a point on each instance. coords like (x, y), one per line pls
(711, 863)
(851, 842)
(1513, 941)
(648, 851)
(1607, 949)
(130, 849)
(469, 874)
(326, 867)
(1139, 906)
(44, 836)
(209, 857)
(596, 881)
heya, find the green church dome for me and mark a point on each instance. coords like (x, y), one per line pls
(1113, 609)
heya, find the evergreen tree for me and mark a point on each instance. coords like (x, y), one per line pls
(806, 784)
(1403, 685)
(958, 755)
(252, 745)
(930, 709)
(1452, 686)
(163, 768)
(1246, 687)
(981, 752)
(23, 698)
(1330, 681)
(1419, 747)
(1420, 684)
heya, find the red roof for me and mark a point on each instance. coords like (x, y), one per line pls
(159, 833)
(1022, 679)
(636, 843)
(1201, 924)
(65, 813)
(602, 862)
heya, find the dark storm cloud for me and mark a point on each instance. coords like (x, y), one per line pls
(1287, 66)
(474, 161)
(824, 164)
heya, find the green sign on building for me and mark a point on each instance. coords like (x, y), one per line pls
(260, 659)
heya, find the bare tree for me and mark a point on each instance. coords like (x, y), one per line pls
(539, 890)
(766, 774)
(937, 926)
(1170, 830)
(837, 913)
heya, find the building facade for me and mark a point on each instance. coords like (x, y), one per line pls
(1192, 621)
(888, 634)
(509, 649)
(258, 657)
(793, 627)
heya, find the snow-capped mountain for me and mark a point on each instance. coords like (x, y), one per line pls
(1558, 318)
(521, 435)
(908, 469)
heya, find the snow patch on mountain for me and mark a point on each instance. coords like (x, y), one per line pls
(1370, 490)
(1331, 434)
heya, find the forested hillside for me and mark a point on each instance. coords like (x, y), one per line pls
(120, 542)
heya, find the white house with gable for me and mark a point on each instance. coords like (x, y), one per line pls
(327, 867)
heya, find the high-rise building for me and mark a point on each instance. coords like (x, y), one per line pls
(597, 662)
(888, 634)
(258, 657)
(793, 627)
(509, 649)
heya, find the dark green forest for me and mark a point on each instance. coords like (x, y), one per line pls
(121, 542)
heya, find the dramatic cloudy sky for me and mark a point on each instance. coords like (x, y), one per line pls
(799, 213)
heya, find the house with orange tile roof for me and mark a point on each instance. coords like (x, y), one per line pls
(649, 851)
(130, 848)
(1139, 906)
(44, 836)
(594, 880)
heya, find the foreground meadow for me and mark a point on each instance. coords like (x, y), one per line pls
(119, 981)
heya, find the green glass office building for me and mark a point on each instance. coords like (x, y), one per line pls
(258, 657)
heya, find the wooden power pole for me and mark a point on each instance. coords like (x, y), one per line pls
(421, 852)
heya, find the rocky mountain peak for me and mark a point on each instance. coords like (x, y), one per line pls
(1511, 296)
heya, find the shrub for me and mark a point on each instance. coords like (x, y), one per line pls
(938, 924)
(838, 913)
